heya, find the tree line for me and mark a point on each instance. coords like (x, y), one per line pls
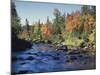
(73, 29)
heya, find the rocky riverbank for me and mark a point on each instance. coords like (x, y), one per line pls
(44, 58)
(19, 44)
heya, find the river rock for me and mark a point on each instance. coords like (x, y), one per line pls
(30, 58)
(62, 47)
(19, 44)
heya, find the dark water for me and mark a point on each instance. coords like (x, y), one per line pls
(44, 58)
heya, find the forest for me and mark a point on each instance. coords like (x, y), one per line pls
(76, 29)
(66, 43)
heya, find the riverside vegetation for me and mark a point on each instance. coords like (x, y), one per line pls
(76, 29)
(74, 32)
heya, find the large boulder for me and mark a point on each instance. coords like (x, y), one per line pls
(19, 44)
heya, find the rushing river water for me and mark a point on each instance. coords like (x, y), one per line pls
(44, 58)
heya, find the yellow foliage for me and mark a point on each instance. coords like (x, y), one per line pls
(92, 37)
(46, 31)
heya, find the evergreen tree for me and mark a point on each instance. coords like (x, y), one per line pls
(27, 25)
(89, 10)
(85, 9)
(56, 22)
(59, 22)
(48, 21)
(93, 11)
(15, 20)
(39, 30)
(39, 27)
(59, 25)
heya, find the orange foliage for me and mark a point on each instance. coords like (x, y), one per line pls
(46, 31)
(72, 21)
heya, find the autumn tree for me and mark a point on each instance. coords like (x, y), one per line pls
(46, 30)
(88, 17)
(88, 14)
(73, 22)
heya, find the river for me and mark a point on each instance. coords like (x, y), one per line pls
(45, 58)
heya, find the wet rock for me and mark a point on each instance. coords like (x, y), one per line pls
(62, 47)
(80, 56)
(75, 52)
(84, 62)
(23, 72)
(49, 55)
(49, 41)
(36, 54)
(30, 58)
(58, 54)
(29, 53)
(23, 63)
(56, 58)
(73, 58)
(68, 61)
(20, 58)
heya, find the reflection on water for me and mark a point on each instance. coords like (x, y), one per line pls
(44, 58)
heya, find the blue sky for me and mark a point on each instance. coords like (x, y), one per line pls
(34, 11)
